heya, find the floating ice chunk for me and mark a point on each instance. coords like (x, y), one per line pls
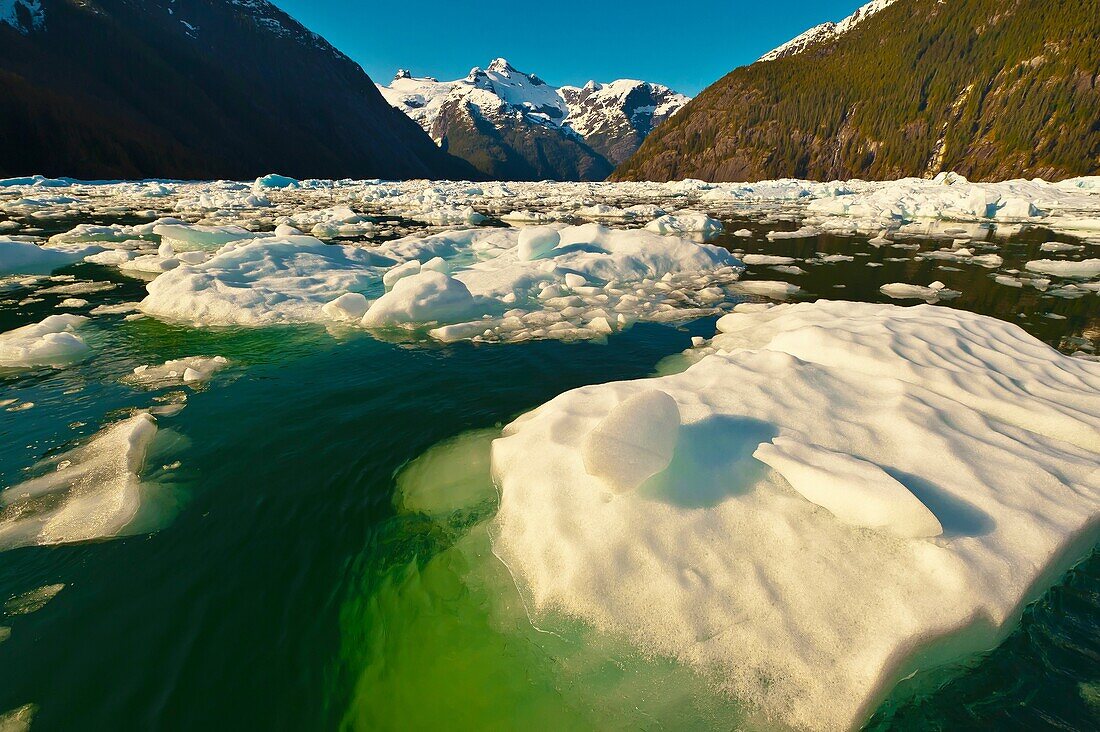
(428, 296)
(349, 307)
(274, 280)
(286, 230)
(526, 217)
(50, 342)
(1064, 268)
(436, 264)
(744, 233)
(274, 180)
(804, 232)
(602, 211)
(19, 257)
(857, 492)
(186, 237)
(32, 601)
(449, 215)
(188, 370)
(536, 242)
(114, 309)
(765, 259)
(112, 236)
(20, 718)
(72, 302)
(150, 264)
(682, 223)
(832, 258)
(114, 257)
(988, 260)
(904, 291)
(78, 288)
(634, 442)
(1016, 209)
(93, 493)
(1058, 246)
(808, 620)
(769, 288)
(573, 280)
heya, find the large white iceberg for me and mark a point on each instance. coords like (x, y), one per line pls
(559, 282)
(262, 282)
(932, 471)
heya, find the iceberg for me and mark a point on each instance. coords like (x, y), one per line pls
(20, 257)
(186, 237)
(856, 493)
(425, 297)
(50, 342)
(263, 282)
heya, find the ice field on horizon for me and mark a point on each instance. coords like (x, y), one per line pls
(855, 479)
(225, 253)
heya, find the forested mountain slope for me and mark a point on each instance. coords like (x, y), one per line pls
(992, 89)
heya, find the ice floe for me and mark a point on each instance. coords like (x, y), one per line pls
(551, 281)
(262, 282)
(91, 492)
(1087, 268)
(933, 292)
(20, 257)
(50, 342)
(850, 493)
(191, 370)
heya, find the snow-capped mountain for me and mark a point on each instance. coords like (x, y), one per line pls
(193, 89)
(530, 129)
(826, 31)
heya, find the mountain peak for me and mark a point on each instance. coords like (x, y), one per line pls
(826, 31)
(501, 66)
(514, 124)
(402, 74)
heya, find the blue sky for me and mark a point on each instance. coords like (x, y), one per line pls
(686, 44)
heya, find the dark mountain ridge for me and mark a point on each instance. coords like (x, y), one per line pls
(193, 89)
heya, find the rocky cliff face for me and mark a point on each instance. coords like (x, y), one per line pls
(993, 89)
(513, 125)
(192, 89)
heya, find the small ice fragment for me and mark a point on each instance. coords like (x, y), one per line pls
(351, 306)
(573, 280)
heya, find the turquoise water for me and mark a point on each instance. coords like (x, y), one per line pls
(302, 571)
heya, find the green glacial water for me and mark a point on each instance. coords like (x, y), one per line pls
(314, 551)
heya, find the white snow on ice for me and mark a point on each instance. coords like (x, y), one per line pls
(931, 472)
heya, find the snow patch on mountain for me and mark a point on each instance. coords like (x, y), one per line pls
(826, 31)
(23, 15)
(622, 107)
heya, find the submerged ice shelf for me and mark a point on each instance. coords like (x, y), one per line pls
(932, 471)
